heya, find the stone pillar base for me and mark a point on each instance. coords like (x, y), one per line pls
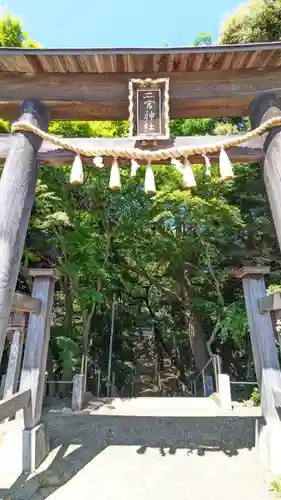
(35, 447)
(268, 444)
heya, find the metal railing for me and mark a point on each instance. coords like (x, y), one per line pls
(243, 382)
(216, 362)
(242, 388)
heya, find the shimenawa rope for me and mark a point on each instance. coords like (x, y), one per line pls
(147, 155)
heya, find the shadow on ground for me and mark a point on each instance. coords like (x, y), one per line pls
(79, 438)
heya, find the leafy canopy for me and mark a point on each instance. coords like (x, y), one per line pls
(253, 21)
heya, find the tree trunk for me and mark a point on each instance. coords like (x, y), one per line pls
(87, 318)
(197, 342)
(68, 304)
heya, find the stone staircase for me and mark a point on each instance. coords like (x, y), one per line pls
(145, 378)
(148, 380)
(149, 449)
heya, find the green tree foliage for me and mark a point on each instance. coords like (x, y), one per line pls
(203, 39)
(11, 34)
(167, 259)
(253, 21)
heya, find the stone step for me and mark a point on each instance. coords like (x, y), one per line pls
(99, 430)
(165, 406)
(125, 457)
(183, 448)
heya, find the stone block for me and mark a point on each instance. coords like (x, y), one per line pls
(268, 444)
(224, 392)
(35, 447)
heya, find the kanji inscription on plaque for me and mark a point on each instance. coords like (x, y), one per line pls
(149, 111)
(149, 108)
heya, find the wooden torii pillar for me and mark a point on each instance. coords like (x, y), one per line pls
(263, 108)
(17, 191)
(266, 362)
(267, 368)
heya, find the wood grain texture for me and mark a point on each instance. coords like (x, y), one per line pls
(263, 108)
(14, 363)
(25, 303)
(36, 346)
(104, 96)
(271, 302)
(73, 110)
(15, 403)
(17, 321)
(77, 392)
(17, 190)
(141, 60)
(49, 154)
(2, 385)
(263, 344)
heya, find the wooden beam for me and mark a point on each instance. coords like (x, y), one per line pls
(90, 96)
(25, 303)
(37, 343)
(49, 154)
(15, 403)
(17, 191)
(271, 302)
(88, 111)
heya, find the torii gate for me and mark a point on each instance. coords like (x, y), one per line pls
(211, 81)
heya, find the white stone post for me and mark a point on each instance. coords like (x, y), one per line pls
(224, 392)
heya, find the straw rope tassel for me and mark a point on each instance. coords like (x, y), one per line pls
(115, 181)
(77, 176)
(177, 164)
(98, 161)
(141, 154)
(188, 176)
(134, 168)
(149, 182)
(226, 167)
(208, 170)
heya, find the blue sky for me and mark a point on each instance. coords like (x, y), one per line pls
(119, 23)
